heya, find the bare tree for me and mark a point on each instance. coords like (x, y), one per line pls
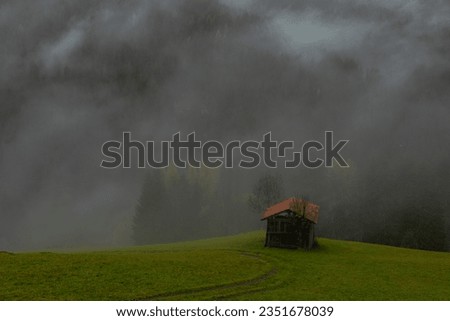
(299, 205)
(267, 191)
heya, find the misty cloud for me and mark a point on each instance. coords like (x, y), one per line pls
(76, 74)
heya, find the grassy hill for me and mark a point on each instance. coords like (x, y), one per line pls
(228, 268)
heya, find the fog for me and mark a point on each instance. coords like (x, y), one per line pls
(75, 74)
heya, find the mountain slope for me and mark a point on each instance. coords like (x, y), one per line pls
(234, 268)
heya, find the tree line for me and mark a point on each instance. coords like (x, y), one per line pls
(400, 209)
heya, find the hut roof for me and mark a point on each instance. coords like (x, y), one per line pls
(311, 212)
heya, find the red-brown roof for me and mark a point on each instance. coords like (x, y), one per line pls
(311, 213)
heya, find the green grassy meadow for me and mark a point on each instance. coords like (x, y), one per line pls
(228, 268)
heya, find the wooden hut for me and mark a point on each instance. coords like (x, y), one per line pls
(290, 224)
